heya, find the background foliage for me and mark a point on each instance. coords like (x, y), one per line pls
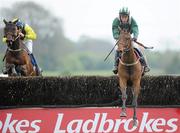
(59, 55)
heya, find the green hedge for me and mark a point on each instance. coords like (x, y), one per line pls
(85, 90)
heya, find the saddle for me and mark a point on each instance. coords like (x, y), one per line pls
(138, 53)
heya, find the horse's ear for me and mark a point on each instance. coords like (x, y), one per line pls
(5, 21)
(14, 22)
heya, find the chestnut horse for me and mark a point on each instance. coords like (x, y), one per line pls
(129, 72)
(17, 60)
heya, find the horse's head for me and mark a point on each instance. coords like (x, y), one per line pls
(10, 32)
(125, 41)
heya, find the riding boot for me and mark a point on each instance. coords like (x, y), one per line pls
(144, 63)
(116, 61)
(33, 60)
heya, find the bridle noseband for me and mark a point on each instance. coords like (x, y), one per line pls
(11, 42)
(9, 33)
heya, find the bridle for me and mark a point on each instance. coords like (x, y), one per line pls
(12, 41)
(125, 50)
(126, 45)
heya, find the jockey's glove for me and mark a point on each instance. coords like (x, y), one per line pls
(22, 36)
(116, 36)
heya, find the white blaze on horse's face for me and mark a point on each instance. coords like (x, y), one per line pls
(124, 18)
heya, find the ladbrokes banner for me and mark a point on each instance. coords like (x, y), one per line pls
(94, 120)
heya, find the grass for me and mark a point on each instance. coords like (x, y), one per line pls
(78, 73)
(94, 72)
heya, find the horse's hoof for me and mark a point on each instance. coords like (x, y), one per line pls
(123, 114)
(135, 123)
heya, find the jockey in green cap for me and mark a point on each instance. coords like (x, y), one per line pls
(28, 35)
(124, 21)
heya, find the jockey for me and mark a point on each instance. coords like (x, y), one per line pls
(28, 35)
(124, 21)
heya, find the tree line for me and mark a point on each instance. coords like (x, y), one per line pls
(55, 52)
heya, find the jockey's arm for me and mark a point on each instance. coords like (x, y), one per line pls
(115, 28)
(30, 34)
(134, 28)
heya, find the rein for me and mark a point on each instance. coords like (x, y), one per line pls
(17, 37)
(15, 50)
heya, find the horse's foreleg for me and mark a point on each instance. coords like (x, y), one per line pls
(135, 97)
(124, 97)
(135, 91)
(123, 87)
(13, 69)
(23, 70)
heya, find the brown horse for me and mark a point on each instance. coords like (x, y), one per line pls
(17, 60)
(129, 72)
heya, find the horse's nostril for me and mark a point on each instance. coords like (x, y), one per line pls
(9, 40)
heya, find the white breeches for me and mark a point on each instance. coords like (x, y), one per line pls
(29, 45)
(141, 49)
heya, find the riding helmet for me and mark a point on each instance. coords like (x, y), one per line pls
(19, 23)
(124, 11)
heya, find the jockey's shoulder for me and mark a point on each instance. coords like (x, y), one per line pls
(116, 20)
(28, 27)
